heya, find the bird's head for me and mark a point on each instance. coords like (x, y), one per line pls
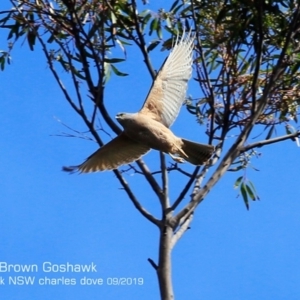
(124, 118)
(121, 116)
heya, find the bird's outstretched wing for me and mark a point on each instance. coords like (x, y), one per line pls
(168, 90)
(119, 151)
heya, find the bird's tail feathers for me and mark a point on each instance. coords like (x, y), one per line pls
(197, 154)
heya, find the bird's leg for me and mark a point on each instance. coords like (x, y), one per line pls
(177, 158)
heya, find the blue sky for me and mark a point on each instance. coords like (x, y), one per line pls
(49, 216)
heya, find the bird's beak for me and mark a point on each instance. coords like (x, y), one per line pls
(119, 116)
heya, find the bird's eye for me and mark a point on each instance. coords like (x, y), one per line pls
(119, 115)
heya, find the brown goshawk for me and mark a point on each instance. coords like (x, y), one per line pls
(149, 128)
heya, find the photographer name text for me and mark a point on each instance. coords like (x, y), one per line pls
(9, 276)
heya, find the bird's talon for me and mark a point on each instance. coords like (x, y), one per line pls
(177, 158)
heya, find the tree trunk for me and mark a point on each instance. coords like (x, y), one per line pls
(164, 266)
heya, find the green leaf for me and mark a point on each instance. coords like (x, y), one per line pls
(245, 196)
(238, 182)
(114, 60)
(145, 13)
(295, 118)
(159, 31)
(2, 62)
(168, 22)
(250, 192)
(174, 5)
(31, 39)
(117, 72)
(145, 20)
(253, 189)
(113, 18)
(270, 133)
(14, 30)
(174, 10)
(290, 128)
(221, 15)
(107, 72)
(120, 43)
(245, 67)
(192, 109)
(153, 45)
(153, 26)
(51, 39)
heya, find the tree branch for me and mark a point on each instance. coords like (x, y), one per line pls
(148, 175)
(258, 43)
(135, 202)
(142, 44)
(153, 264)
(270, 141)
(165, 185)
(184, 226)
(185, 189)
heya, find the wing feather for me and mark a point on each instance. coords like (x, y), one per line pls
(119, 151)
(168, 90)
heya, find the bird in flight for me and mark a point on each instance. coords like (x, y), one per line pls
(149, 128)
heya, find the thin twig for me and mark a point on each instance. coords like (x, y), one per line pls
(183, 228)
(148, 175)
(270, 141)
(258, 53)
(142, 44)
(185, 189)
(153, 264)
(135, 202)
